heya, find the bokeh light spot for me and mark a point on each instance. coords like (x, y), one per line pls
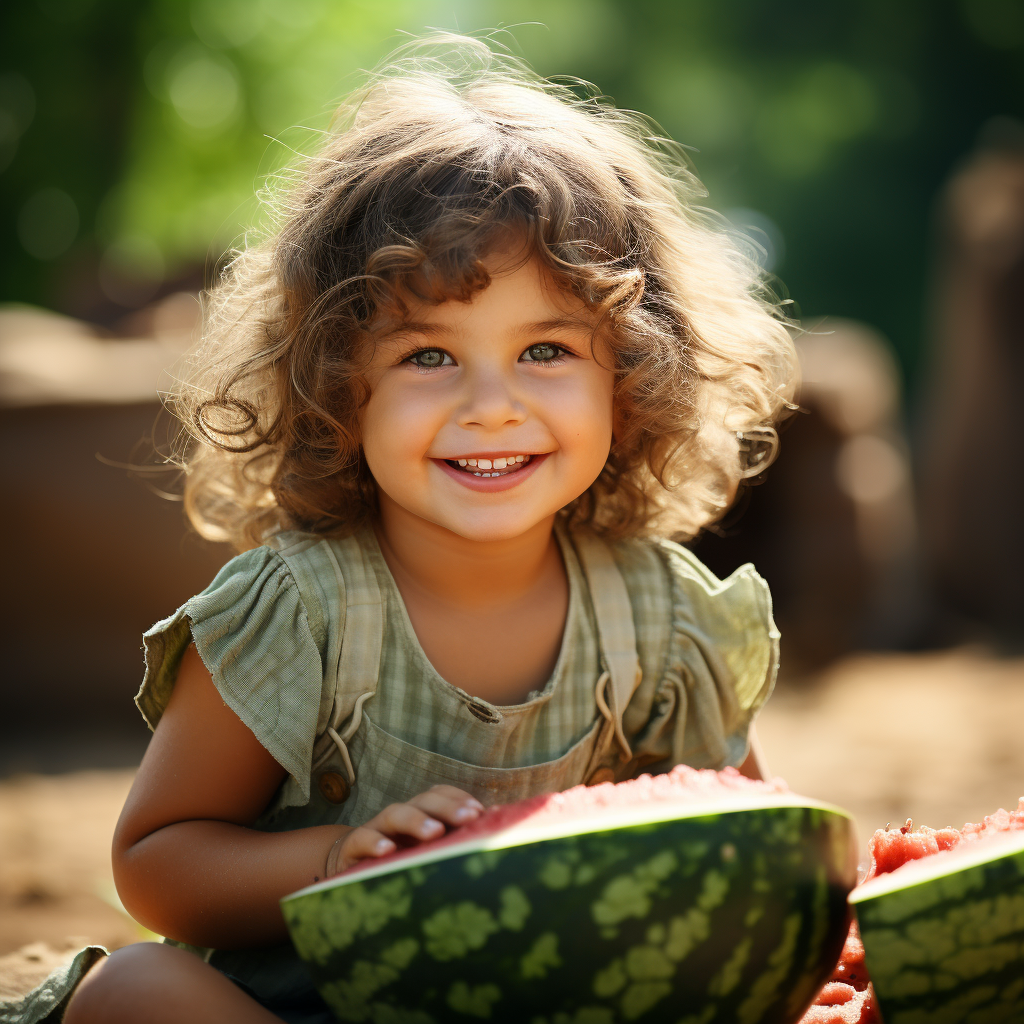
(999, 23)
(227, 23)
(204, 90)
(711, 104)
(869, 469)
(48, 223)
(800, 129)
(131, 270)
(17, 100)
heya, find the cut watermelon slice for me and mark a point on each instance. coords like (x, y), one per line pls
(688, 897)
(942, 921)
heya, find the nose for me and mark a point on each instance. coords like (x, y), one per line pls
(490, 401)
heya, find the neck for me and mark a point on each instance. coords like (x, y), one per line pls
(465, 573)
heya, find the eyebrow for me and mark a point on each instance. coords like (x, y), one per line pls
(558, 323)
(413, 327)
(555, 324)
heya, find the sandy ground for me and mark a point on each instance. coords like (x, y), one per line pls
(55, 882)
(936, 736)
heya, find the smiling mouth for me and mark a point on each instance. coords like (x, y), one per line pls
(490, 467)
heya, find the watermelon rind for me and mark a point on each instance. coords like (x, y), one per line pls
(734, 912)
(944, 936)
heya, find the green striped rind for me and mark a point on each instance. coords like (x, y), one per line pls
(734, 916)
(948, 948)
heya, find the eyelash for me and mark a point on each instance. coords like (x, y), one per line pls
(557, 360)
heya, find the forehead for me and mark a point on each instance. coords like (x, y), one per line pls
(522, 296)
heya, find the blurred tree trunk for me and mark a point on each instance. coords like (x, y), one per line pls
(972, 479)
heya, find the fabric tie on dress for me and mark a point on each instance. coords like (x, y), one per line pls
(609, 715)
(616, 634)
(358, 666)
(341, 742)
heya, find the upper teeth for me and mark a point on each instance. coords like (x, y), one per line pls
(500, 463)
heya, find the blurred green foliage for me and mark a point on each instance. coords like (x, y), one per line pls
(135, 134)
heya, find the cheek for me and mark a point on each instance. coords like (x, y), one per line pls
(397, 421)
(586, 415)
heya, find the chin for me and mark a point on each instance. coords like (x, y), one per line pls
(492, 529)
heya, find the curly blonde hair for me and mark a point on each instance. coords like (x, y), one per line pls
(448, 146)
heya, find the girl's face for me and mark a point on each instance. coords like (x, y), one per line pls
(486, 417)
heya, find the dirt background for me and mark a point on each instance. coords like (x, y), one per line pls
(935, 736)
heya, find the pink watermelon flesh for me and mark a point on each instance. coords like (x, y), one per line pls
(847, 997)
(838, 1003)
(892, 850)
(850, 970)
(681, 788)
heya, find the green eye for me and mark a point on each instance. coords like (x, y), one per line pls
(542, 353)
(428, 358)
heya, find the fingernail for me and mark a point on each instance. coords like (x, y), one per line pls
(384, 845)
(430, 825)
(465, 812)
(475, 804)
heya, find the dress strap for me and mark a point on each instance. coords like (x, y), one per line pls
(616, 633)
(358, 665)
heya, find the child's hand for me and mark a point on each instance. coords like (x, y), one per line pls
(423, 817)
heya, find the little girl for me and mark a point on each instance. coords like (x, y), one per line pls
(491, 351)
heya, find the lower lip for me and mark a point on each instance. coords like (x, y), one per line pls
(492, 483)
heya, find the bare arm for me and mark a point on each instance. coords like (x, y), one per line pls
(186, 862)
(755, 766)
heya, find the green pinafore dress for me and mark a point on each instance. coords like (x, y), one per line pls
(308, 641)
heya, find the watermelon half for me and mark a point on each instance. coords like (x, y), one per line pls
(689, 898)
(943, 934)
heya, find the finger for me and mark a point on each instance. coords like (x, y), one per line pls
(364, 842)
(457, 794)
(407, 821)
(450, 809)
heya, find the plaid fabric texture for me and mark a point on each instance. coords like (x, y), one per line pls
(272, 618)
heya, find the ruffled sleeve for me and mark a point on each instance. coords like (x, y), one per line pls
(709, 651)
(262, 648)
